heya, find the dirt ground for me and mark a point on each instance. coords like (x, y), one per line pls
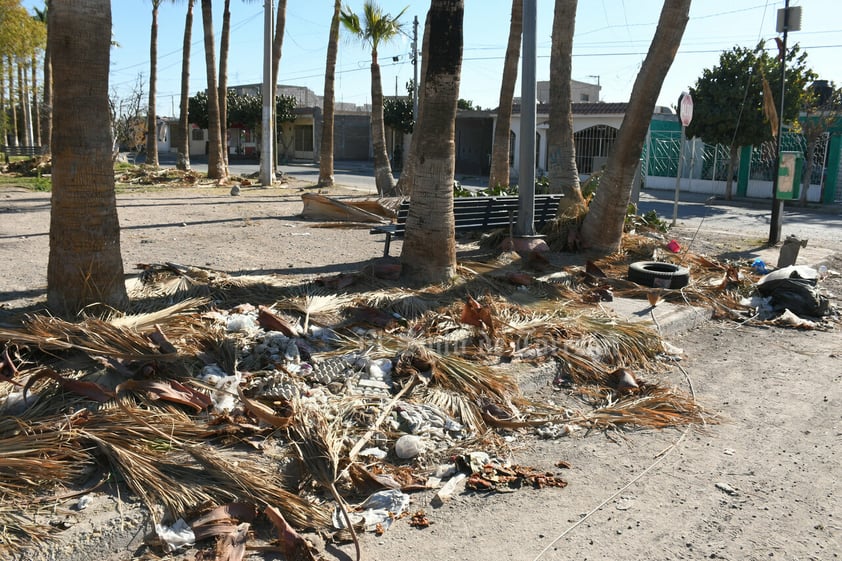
(764, 483)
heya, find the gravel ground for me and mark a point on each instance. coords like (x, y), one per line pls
(762, 484)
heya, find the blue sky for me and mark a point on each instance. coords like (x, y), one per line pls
(612, 37)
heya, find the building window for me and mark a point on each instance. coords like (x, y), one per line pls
(303, 138)
(584, 97)
(198, 134)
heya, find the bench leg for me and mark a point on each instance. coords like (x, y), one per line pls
(387, 244)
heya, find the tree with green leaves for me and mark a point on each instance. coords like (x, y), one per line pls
(244, 110)
(374, 29)
(22, 39)
(728, 99)
(397, 112)
(821, 111)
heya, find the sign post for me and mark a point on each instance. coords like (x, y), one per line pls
(685, 113)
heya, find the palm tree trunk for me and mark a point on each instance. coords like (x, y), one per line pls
(429, 250)
(216, 163)
(25, 105)
(13, 141)
(224, 43)
(183, 160)
(326, 150)
(602, 229)
(564, 176)
(382, 168)
(2, 102)
(499, 174)
(85, 264)
(47, 113)
(277, 51)
(151, 117)
(36, 118)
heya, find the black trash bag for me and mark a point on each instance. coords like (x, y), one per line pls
(800, 296)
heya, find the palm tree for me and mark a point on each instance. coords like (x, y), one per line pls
(429, 250)
(183, 159)
(499, 174)
(602, 229)
(326, 149)
(375, 29)
(216, 161)
(46, 128)
(40, 18)
(85, 264)
(564, 176)
(277, 50)
(13, 117)
(224, 41)
(151, 117)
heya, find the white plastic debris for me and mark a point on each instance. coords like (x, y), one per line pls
(408, 446)
(176, 536)
(450, 488)
(379, 369)
(224, 396)
(241, 323)
(373, 453)
(444, 471)
(84, 502)
(378, 511)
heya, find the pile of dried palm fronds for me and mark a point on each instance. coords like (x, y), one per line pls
(130, 395)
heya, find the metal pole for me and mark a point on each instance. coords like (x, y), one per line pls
(678, 175)
(526, 183)
(266, 153)
(415, 69)
(776, 221)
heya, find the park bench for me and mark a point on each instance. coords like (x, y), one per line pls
(476, 214)
(21, 151)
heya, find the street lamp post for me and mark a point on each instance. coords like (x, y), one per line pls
(789, 19)
(267, 144)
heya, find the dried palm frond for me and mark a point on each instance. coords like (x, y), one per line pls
(171, 281)
(652, 407)
(617, 343)
(318, 446)
(407, 303)
(91, 336)
(457, 405)
(19, 531)
(317, 304)
(248, 479)
(164, 317)
(33, 455)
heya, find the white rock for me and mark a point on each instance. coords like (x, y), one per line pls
(408, 446)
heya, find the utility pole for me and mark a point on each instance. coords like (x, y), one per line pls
(526, 170)
(414, 69)
(266, 152)
(788, 20)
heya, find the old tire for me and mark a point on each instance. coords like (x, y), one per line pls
(659, 275)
